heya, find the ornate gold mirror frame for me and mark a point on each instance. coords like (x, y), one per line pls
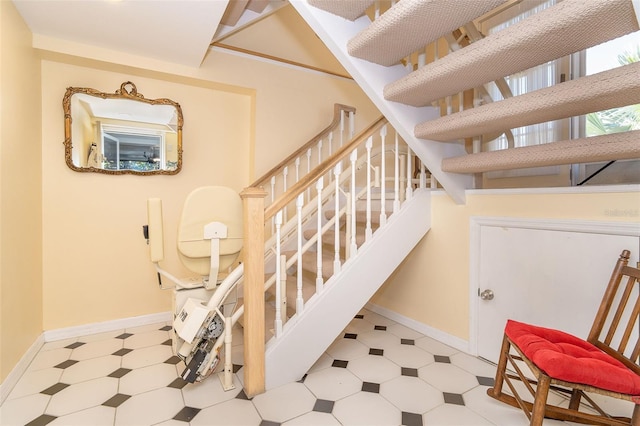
(121, 132)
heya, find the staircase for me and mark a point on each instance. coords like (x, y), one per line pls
(322, 247)
(378, 43)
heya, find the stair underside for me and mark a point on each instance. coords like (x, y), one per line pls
(401, 30)
(616, 146)
(565, 28)
(307, 336)
(609, 89)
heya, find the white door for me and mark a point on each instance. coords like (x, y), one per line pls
(551, 278)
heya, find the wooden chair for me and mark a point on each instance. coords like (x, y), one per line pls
(606, 363)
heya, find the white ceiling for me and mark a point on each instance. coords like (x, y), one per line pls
(177, 31)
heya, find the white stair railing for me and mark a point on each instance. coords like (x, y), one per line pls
(302, 236)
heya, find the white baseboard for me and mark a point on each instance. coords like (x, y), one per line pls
(12, 379)
(102, 327)
(65, 333)
(434, 333)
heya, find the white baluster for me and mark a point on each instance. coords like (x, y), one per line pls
(403, 175)
(299, 300)
(354, 247)
(422, 59)
(342, 128)
(409, 191)
(368, 232)
(285, 174)
(330, 144)
(309, 160)
(347, 226)
(319, 278)
(383, 180)
(396, 177)
(282, 301)
(352, 124)
(273, 197)
(279, 273)
(319, 151)
(297, 169)
(336, 176)
(423, 176)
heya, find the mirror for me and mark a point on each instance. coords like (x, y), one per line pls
(121, 132)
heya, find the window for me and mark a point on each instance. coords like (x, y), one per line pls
(132, 148)
(615, 53)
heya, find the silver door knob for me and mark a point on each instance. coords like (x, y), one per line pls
(486, 295)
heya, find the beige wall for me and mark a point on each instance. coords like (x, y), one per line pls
(95, 263)
(20, 190)
(432, 284)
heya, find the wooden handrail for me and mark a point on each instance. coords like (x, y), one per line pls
(337, 111)
(321, 169)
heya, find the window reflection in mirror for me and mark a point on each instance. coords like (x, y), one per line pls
(122, 132)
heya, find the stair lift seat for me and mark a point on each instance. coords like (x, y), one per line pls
(209, 240)
(204, 247)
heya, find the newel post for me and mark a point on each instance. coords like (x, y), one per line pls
(253, 219)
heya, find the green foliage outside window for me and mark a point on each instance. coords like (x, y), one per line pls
(621, 119)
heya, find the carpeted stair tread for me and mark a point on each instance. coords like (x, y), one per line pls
(410, 25)
(348, 9)
(598, 92)
(568, 27)
(615, 146)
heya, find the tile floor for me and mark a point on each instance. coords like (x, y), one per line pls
(377, 372)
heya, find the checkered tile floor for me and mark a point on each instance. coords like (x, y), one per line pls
(377, 372)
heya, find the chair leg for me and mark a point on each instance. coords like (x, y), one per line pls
(635, 419)
(574, 402)
(539, 404)
(501, 369)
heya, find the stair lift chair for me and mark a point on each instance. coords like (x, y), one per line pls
(209, 241)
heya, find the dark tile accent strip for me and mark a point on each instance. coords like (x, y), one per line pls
(339, 363)
(166, 328)
(380, 327)
(41, 420)
(186, 414)
(442, 358)
(303, 379)
(350, 335)
(411, 419)
(54, 389)
(74, 345)
(242, 395)
(411, 372)
(178, 383)
(236, 367)
(407, 342)
(269, 423)
(359, 316)
(370, 387)
(124, 336)
(120, 372)
(374, 351)
(65, 364)
(173, 360)
(167, 342)
(323, 406)
(122, 352)
(116, 400)
(453, 398)
(485, 381)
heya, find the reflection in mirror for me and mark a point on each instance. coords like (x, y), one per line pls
(121, 132)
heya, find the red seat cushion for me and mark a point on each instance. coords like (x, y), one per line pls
(571, 359)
